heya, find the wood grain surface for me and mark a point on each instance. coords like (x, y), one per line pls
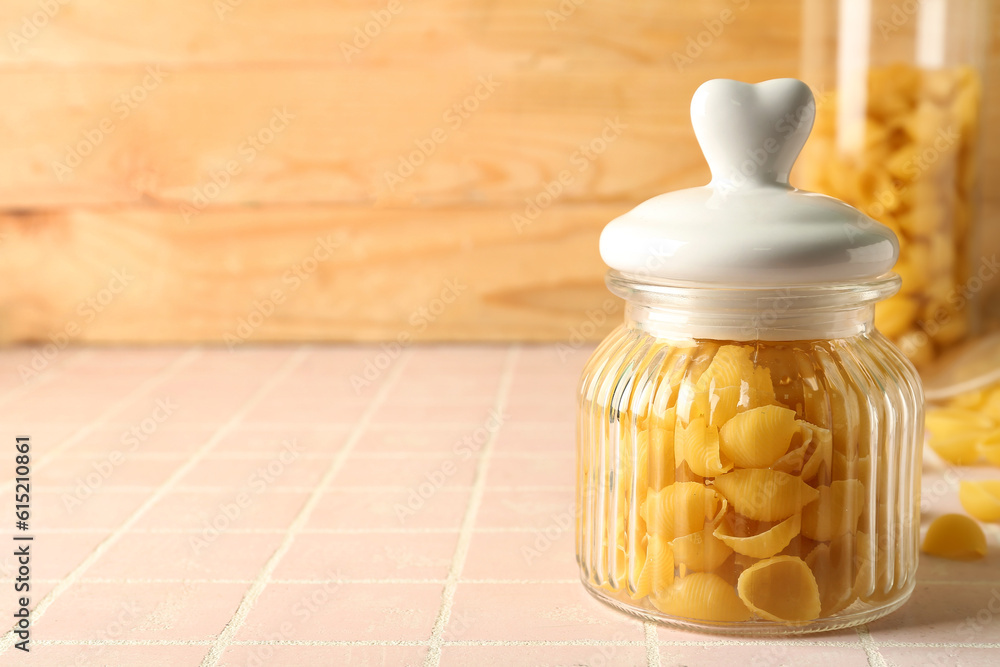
(208, 152)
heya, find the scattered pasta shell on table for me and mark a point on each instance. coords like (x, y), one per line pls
(702, 596)
(781, 589)
(981, 499)
(758, 437)
(958, 448)
(764, 544)
(765, 495)
(955, 536)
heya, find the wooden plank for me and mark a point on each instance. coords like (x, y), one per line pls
(430, 34)
(78, 142)
(137, 275)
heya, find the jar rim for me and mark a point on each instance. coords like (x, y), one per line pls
(806, 297)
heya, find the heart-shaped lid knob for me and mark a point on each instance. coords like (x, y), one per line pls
(749, 226)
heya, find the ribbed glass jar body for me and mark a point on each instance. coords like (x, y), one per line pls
(748, 484)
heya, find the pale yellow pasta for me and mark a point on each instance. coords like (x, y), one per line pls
(835, 512)
(765, 495)
(832, 565)
(698, 445)
(730, 367)
(957, 448)
(981, 499)
(700, 551)
(781, 589)
(989, 449)
(661, 452)
(658, 569)
(702, 596)
(955, 536)
(943, 422)
(764, 544)
(680, 509)
(758, 437)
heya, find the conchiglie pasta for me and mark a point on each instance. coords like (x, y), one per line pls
(955, 536)
(832, 564)
(658, 569)
(701, 551)
(781, 589)
(760, 545)
(981, 499)
(697, 444)
(702, 596)
(765, 495)
(680, 509)
(758, 437)
(835, 512)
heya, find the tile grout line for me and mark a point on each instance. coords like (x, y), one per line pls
(652, 644)
(286, 368)
(228, 634)
(145, 386)
(471, 510)
(875, 657)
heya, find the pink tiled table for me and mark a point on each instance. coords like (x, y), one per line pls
(275, 513)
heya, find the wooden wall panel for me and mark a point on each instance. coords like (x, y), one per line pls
(130, 203)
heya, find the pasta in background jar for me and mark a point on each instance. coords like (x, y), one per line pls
(897, 126)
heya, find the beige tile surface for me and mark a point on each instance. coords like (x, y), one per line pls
(283, 515)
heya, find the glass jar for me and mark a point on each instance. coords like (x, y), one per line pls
(748, 442)
(764, 485)
(899, 88)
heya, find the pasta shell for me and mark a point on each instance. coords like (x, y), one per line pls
(943, 422)
(764, 544)
(698, 445)
(761, 388)
(730, 367)
(661, 451)
(758, 437)
(658, 571)
(833, 567)
(680, 509)
(835, 512)
(765, 495)
(821, 453)
(957, 448)
(981, 499)
(701, 551)
(780, 589)
(955, 536)
(989, 448)
(702, 596)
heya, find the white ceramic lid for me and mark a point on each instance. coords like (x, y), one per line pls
(749, 226)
